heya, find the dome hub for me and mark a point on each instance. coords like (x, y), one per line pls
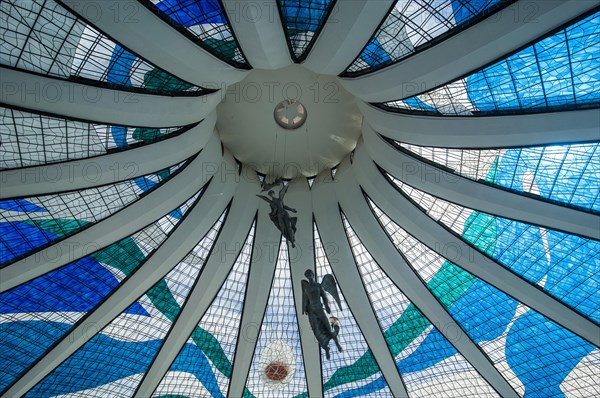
(289, 122)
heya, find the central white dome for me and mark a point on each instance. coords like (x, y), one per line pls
(248, 129)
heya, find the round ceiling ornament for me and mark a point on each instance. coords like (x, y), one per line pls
(290, 114)
(277, 364)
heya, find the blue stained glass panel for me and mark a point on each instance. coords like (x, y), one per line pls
(115, 357)
(529, 358)
(206, 21)
(571, 264)
(413, 24)
(563, 173)
(565, 266)
(353, 371)
(43, 37)
(207, 357)
(21, 205)
(38, 313)
(119, 66)
(192, 12)
(24, 228)
(542, 354)
(423, 355)
(302, 20)
(561, 71)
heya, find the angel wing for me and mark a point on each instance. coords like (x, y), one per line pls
(269, 185)
(268, 200)
(283, 191)
(328, 284)
(304, 297)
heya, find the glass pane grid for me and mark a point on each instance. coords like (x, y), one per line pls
(30, 139)
(558, 72)
(56, 216)
(302, 20)
(550, 361)
(43, 37)
(38, 313)
(470, 163)
(428, 363)
(135, 336)
(565, 266)
(31, 223)
(278, 366)
(354, 370)
(203, 366)
(205, 20)
(501, 326)
(562, 173)
(415, 23)
(575, 384)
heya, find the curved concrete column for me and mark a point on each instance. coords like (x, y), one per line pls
(436, 237)
(302, 258)
(112, 229)
(222, 258)
(486, 131)
(475, 195)
(137, 28)
(174, 249)
(112, 167)
(262, 270)
(343, 265)
(347, 30)
(102, 105)
(372, 235)
(260, 33)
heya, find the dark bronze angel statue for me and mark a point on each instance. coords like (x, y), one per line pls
(280, 216)
(267, 186)
(325, 329)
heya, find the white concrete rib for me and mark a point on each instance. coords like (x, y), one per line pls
(222, 258)
(138, 214)
(137, 28)
(343, 265)
(386, 255)
(513, 27)
(260, 32)
(104, 105)
(262, 269)
(475, 195)
(197, 223)
(347, 30)
(504, 131)
(437, 238)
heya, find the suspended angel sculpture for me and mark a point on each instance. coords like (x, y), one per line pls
(325, 329)
(265, 186)
(280, 216)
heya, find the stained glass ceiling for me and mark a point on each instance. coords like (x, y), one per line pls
(558, 172)
(557, 72)
(30, 138)
(205, 21)
(412, 25)
(42, 36)
(172, 281)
